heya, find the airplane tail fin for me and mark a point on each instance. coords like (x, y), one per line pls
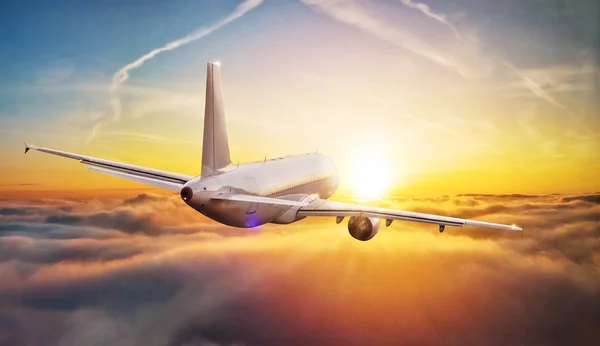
(215, 149)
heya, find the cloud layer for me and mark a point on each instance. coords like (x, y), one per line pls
(147, 269)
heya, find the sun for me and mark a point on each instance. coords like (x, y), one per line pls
(370, 176)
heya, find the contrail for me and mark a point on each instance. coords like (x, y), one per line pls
(348, 13)
(529, 83)
(426, 10)
(122, 75)
(535, 88)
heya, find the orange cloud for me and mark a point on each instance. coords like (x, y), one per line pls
(187, 280)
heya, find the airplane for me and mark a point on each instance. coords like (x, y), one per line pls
(279, 191)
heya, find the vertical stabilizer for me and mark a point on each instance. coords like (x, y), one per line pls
(215, 149)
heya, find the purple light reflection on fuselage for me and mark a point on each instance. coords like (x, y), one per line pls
(252, 221)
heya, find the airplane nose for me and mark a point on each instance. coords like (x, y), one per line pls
(187, 193)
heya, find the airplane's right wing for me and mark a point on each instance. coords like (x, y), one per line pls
(323, 207)
(150, 176)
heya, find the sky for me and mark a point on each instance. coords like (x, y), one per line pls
(469, 108)
(453, 96)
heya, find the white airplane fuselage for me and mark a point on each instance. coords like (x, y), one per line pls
(291, 177)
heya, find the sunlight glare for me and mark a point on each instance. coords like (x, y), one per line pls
(370, 174)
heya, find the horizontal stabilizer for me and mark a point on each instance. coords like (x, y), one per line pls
(258, 199)
(140, 179)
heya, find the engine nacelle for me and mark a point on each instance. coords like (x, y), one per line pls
(363, 228)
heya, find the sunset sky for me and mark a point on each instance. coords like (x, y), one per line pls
(457, 96)
(478, 109)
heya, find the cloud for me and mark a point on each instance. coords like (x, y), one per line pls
(11, 331)
(505, 196)
(143, 198)
(47, 251)
(123, 220)
(15, 211)
(592, 198)
(18, 184)
(305, 283)
(145, 214)
(122, 75)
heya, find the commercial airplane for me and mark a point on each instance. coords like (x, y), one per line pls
(281, 190)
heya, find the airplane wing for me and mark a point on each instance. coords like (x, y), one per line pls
(323, 207)
(150, 176)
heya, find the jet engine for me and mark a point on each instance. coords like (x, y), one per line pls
(186, 193)
(363, 228)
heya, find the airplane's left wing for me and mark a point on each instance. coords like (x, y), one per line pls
(323, 207)
(150, 176)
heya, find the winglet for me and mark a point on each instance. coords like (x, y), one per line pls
(27, 147)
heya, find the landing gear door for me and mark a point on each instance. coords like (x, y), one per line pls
(252, 189)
